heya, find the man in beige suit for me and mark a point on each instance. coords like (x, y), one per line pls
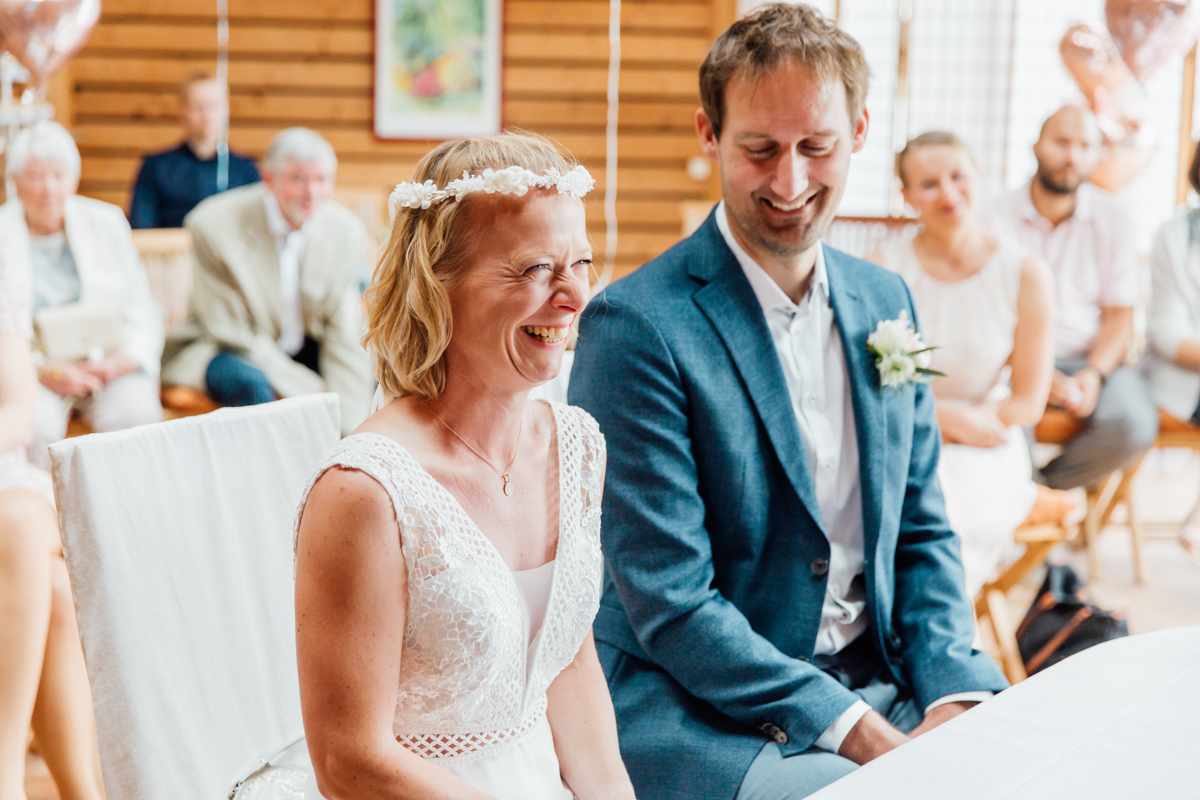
(275, 308)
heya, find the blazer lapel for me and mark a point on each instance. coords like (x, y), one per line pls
(264, 259)
(730, 305)
(855, 323)
(83, 252)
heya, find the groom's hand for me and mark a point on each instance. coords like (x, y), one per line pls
(871, 737)
(937, 716)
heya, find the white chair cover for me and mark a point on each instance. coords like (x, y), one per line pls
(178, 540)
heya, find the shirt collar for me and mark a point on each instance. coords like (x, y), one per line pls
(277, 224)
(1083, 204)
(766, 290)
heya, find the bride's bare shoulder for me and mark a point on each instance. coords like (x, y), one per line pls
(398, 421)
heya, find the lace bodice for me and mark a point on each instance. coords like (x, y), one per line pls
(463, 685)
(971, 322)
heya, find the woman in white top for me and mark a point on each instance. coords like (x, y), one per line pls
(986, 306)
(1172, 362)
(42, 677)
(448, 555)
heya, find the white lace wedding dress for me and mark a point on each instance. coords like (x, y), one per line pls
(474, 672)
(989, 490)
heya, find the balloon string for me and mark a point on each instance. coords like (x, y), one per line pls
(223, 80)
(610, 146)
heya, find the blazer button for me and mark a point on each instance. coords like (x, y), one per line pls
(819, 566)
(778, 735)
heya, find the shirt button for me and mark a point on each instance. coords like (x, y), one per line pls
(811, 399)
(819, 566)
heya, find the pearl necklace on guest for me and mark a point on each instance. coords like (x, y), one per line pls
(508, 470)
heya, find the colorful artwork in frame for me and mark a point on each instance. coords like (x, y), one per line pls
(437, 68)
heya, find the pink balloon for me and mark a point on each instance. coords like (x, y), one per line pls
(1148, 33)
(1092, 60)
(1131, 148)
(44, 34)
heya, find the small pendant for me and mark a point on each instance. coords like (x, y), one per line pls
(507, 490)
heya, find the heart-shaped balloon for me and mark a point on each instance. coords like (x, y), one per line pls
(1129, 152)
(1148, 33)
(43, 34)
(1093, 61)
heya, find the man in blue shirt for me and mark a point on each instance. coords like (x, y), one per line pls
(172, 182)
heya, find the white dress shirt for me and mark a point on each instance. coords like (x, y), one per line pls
(1092, 254)
(810, 352)
(289, 247)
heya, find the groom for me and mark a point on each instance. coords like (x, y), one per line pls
(784, 599)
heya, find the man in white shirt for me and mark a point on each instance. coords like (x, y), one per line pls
(276, 306)
(1088, 238)
(784, 598)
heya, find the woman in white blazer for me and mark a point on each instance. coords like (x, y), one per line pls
(80, 250)
(1172, 364)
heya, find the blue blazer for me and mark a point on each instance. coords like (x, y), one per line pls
(712, 535)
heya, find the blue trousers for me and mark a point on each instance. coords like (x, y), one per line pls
(233, 380)
(773, 777)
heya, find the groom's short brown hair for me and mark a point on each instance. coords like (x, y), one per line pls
(762, 39)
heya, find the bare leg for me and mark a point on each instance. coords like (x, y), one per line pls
(28, 533)
(62, 716)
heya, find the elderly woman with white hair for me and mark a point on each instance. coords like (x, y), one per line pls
(42, 677)
(89, 287)
(276, 306)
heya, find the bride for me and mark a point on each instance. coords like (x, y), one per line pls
(448, 559)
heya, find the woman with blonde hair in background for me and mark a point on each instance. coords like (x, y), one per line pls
(987, 306)
(448, 559)
(43, 681)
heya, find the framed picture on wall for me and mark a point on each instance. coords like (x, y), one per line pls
(437, 68)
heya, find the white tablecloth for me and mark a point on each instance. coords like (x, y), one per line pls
(1121, 720)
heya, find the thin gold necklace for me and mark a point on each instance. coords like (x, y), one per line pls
(503, 475)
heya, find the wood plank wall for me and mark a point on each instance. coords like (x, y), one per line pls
(309, 62)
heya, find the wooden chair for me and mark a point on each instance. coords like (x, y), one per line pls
(991, 604)
(1056, 427)
(166, 254)
(1174, 432)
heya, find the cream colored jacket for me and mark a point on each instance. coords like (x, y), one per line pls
(236, 303)
(110, 270)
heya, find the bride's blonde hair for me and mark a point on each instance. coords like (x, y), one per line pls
(428, 251)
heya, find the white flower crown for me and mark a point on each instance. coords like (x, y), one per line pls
(510, 180)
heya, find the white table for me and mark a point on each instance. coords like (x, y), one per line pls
(1121, 720)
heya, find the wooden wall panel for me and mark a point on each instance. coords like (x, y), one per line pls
(309, 62)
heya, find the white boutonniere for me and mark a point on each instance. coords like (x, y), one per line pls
(900, 355)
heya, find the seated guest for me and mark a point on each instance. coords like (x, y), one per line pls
(172, 182)
(80, 251)
(1088, 239)
(1172, 362)
(42, 677)
(276, 310)
(784, 597)
(987, 306)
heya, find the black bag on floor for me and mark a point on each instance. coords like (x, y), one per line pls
(1062, 622)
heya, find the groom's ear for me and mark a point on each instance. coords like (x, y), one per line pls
(708, 137)
(861, 123)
